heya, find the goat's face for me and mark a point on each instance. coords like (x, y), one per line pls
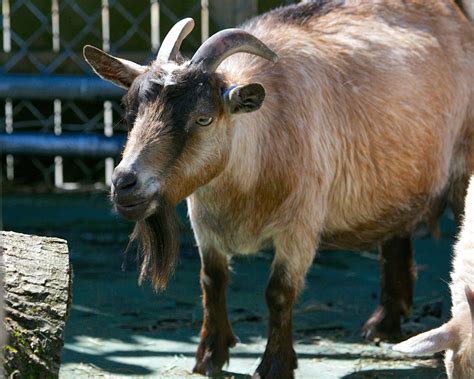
(178, 135)
(178, 116)
(176, 140)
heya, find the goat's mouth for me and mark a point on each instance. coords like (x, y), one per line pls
(134, 210)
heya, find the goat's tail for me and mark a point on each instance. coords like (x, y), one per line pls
(467, 7)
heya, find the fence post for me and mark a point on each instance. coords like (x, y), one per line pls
(230, 13)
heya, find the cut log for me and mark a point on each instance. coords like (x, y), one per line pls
(37, 292)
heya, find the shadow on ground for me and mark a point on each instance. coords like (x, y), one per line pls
(119, 328)
(433, 373)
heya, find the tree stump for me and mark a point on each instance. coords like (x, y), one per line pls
(37, 277)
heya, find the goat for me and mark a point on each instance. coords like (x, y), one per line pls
(360, 131)
(455, 336)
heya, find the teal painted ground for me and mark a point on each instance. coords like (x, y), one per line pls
(117, 328)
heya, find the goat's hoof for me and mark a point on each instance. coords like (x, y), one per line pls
(212, 354)
(383, 325)
(207, 367)
(279, 366)
(210, 362)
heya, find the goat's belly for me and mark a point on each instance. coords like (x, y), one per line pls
(355, 239)
(402, 221)
(241, 243)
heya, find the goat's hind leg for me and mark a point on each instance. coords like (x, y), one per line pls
(216, 333)
(398, 275)
(397, 281)
(456, 197)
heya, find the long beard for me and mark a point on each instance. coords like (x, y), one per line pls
(158, 237)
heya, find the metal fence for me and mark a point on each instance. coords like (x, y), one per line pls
(62, 126)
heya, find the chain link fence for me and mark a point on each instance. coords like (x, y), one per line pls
(47, 89)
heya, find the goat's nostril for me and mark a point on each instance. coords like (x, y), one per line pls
(126, 181)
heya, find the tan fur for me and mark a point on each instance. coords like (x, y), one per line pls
(359, 131)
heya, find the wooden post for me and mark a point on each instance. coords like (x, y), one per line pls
(37, 291)
(231, 13)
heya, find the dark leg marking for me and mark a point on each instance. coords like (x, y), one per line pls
(216, 332)
(457, 196)
(279, 359)
(397, 280)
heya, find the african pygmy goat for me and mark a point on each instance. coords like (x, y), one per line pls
(456, 335)
(361, 130)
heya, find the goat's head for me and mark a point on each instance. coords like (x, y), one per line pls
(177, 113)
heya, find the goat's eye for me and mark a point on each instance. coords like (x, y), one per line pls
(204, 121)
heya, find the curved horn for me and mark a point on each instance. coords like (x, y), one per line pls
(172, 42)
(227, 42)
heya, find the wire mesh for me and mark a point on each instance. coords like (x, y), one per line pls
(45, 38)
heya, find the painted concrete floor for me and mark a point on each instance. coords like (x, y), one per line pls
(118, 329)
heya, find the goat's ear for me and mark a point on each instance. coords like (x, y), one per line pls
(119, 71)
(469, 297)
(430, 342)
(244, 99)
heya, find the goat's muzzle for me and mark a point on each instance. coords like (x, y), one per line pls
(130, 198)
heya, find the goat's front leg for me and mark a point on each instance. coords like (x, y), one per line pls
(397, 280)
(216, 332)
(288, 271)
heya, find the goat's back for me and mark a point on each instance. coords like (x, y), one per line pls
(370, 102)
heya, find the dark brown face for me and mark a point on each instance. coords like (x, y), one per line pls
(166, 113)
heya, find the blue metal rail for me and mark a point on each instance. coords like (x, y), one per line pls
(65, 87)
(77, 145)
(85, 88)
